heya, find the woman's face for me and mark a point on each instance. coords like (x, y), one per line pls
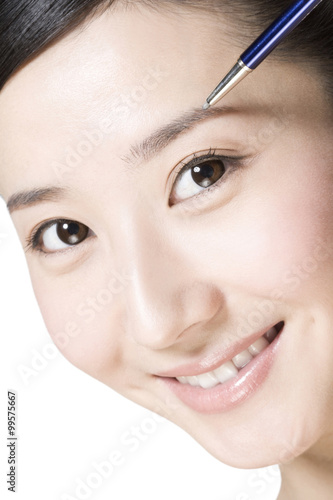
(160, 274)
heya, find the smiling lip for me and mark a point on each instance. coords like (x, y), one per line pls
(224, 397)
(212, 362)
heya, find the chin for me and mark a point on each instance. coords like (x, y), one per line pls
(267, 438)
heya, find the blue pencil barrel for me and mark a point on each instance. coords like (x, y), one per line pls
(276, 32)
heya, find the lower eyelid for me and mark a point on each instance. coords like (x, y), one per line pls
(65, 251)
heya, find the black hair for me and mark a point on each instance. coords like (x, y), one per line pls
(27, 27)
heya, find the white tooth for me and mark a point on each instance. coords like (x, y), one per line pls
(182, 380)
(207, 380)
(258, 346)
(225, 372)
(242, 359)
(193, 380)
(271, 334)
(229, 369)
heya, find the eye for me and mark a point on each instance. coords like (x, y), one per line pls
(56, 235)
(200, 173)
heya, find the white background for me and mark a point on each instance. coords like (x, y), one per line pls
(67, 421)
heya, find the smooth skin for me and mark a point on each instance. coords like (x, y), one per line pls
(166, 277)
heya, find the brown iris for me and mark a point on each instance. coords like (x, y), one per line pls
(207, 173)
(71, 233)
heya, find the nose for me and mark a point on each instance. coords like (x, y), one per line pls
(167, 295)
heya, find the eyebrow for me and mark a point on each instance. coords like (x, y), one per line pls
(145, 150)
(158, 140)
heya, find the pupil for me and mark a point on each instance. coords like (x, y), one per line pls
(72, 228)
(207, 170)
(208, 173)
(72, 233)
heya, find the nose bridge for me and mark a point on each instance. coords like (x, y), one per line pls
(152, 300)
(163, 297)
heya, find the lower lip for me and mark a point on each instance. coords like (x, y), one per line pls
(224, 397)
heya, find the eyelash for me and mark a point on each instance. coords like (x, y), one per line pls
(197, 158)
(233, 162)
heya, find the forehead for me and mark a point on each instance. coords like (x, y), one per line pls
(135, 69)
(119, 59)
(111, 55)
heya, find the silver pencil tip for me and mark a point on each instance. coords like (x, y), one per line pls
(206, 105)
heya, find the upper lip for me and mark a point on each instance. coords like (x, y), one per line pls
(215, 359)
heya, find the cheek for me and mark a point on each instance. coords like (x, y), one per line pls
(82, 317)
(275, 237)
(283, 236)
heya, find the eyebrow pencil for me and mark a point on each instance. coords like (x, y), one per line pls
(262, 47)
